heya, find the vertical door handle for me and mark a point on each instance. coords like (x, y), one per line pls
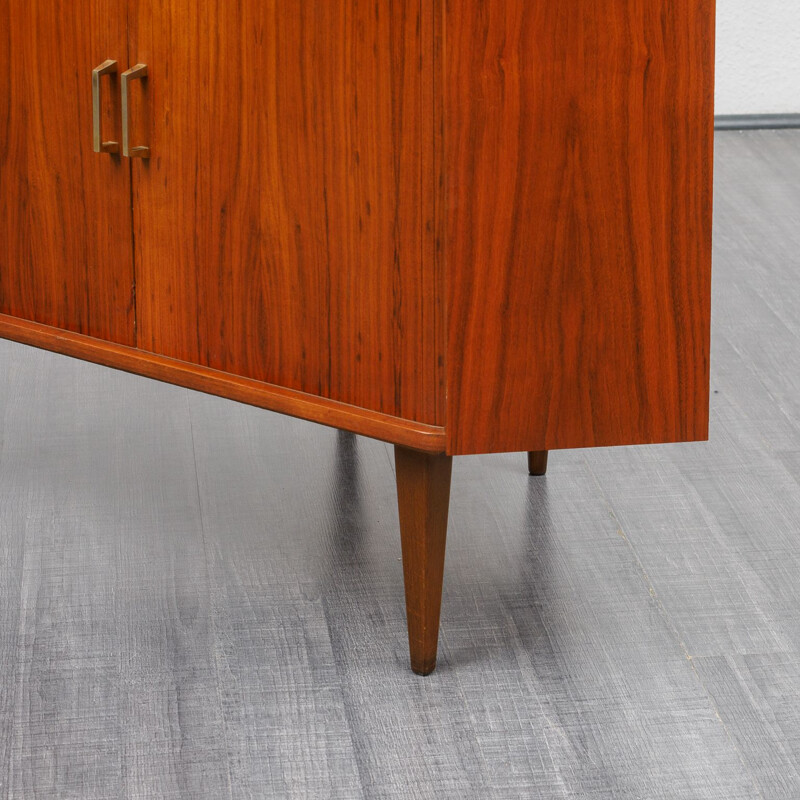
(106, 68)
(134, 73)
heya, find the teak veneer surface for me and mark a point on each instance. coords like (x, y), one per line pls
(284, 227)
(65, 211)
(491, 218)
(578, 168)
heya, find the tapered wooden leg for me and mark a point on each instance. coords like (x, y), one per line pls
(537, 462)
(423, 496)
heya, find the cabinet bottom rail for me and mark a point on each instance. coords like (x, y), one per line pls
(407, 433)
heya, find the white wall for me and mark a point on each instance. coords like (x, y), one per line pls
(758, 56)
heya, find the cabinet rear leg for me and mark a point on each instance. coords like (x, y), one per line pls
(423, 496)
(537, 462)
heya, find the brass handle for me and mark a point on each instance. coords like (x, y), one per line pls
(106, 68)
(134, 73)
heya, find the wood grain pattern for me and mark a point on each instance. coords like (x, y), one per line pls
(65, 219)
(578, 162)
(423, 498)
(281, 229)
(426, 438)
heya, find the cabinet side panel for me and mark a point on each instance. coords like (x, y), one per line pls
(66, 258)
(578, 140)
(280, 223)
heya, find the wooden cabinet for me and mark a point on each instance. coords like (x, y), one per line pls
(457, 227)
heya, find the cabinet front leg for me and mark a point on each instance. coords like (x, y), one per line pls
(423, 496)
(537, 462)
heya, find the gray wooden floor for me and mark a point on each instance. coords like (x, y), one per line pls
(204, 600)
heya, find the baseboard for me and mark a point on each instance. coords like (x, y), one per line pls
(754, 122)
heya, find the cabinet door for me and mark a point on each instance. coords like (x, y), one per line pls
(66, 257)
(283, 223)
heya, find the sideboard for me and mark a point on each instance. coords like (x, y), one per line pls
(458, 227)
